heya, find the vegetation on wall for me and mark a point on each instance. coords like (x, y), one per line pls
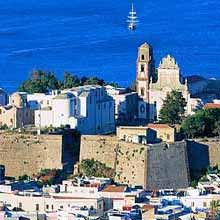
(91, 167)
(43, 81)
(173, 109)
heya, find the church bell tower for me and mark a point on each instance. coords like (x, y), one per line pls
(143, 76)
(144, 71)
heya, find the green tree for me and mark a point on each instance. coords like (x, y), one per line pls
(194, 126)
(94, 81)
(204, 123)
(40, 82)
(173, 109)
(70, 81)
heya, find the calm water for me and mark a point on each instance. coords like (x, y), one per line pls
(89, 37)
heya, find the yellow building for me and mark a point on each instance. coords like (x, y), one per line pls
(147, 134)
(16, 114)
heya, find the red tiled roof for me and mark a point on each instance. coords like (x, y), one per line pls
(113, 188)
(211, 106)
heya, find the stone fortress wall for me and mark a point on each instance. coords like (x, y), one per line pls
(152, 166)
(203, 153)
(28, 154)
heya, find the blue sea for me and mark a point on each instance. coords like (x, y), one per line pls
(90, 37)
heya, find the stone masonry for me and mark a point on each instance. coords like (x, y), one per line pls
(28, 154)
(152, 166)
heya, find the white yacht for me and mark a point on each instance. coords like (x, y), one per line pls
(132, 19)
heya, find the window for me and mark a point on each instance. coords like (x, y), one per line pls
(142, 68)
(0, 111)
(20, 205)
(37, 207)
(142, 57)
(47, 206)
(168, 137)
(52, 207)
(192, 204)
(204, 204)
(61, 207)
(142, 91)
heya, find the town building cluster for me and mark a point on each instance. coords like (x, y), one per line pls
(98, 198)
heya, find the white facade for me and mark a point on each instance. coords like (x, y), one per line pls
(153, 88)
(40, 100)
(125, 104)
(199, 201)
(88, 108)
(169, 79)
(60, 201)
(43, 118)
(63, 109)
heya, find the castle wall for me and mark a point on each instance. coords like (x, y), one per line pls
(28, 154)
(203, 153)
(168, 166)
(128, 159)
(155, 166)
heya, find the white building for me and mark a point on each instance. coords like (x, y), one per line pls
(33, 202)
(40, 100)
(126, 109)
(88, 108)
(169, 78)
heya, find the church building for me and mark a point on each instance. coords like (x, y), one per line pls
(153, 85)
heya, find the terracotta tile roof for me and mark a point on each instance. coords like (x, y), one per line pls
(158, 126)
(211, 106)
(113, 188)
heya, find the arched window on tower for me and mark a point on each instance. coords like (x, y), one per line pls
(142, 91)
(142, 57)
(142, 68)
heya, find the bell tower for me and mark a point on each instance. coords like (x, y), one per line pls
(144, 69)
(143, 76)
